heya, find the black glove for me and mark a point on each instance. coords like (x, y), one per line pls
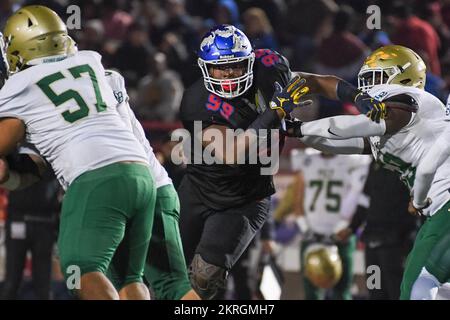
(288, 98)
(367, 105)
(293, 128)
(373, 108)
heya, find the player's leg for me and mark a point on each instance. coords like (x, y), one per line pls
(429, 234)
(243, 277)
(93, 219)
(311, 291)
(438, 263)
(140, 183)
(192, 219)
(165, 267)
(342, 290)
(435, 272)
(225, 236)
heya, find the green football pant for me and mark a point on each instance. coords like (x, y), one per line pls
(427, 250)
(165, 268)
(100, 209)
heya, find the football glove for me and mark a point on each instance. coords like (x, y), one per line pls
(292, 128)
(373, 108)
(288, 98)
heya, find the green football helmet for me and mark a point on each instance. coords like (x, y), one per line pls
(323, 265)
(392, 64)
(34, 32)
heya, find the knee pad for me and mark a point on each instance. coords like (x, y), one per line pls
(425, 287)
(206, 279)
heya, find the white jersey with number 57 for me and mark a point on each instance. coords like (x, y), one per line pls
(403, 151)
(70, 115)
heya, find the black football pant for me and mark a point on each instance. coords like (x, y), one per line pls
(390, 259)
(220, 237)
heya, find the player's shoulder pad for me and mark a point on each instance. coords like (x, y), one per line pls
(402, 101)
(398, 96)
(15, 84)
(270, 58)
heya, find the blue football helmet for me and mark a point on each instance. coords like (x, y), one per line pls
(4, 67)
(226, 44)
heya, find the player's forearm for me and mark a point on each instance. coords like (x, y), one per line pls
(347, 146)
(343, 127)
(259, 129)
(324, 85)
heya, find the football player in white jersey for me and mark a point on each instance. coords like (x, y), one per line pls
(435, 275)
(406, 122)
(332, 187)
(165, 267)
(64, 106)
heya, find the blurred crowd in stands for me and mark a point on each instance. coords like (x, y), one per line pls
(153, 43)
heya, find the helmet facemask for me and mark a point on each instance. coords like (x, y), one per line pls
(228, 88)
(370, 77)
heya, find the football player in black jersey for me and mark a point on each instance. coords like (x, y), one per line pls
(224, 205)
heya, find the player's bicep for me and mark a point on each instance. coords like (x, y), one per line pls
(400, 109)
(12, 131)
(396, 119)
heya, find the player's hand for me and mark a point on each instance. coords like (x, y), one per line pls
(268, 246)
(373, 108)
(343, 235)
(417, 209)
(288, 98)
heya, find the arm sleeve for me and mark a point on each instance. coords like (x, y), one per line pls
(344, 127)
(347, 146)
(436, 156)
